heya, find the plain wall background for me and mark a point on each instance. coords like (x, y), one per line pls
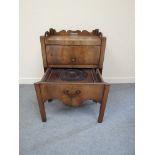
(114, 18)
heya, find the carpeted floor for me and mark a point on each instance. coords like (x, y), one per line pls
(75, 131)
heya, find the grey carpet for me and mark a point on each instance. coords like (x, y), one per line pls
(75, 131)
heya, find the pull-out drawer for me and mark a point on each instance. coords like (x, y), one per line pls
(72, 55)
(72, 93)
(69, 92)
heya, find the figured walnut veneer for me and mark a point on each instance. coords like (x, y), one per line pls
(80, 50)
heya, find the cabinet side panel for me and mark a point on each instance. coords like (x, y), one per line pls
(103, 45)
(43, 51)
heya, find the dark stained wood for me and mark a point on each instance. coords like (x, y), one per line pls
(72, 49)
(54, 74)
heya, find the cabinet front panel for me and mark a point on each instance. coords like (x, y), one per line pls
(72, 94)
(72, 55)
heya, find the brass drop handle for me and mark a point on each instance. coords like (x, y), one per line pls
(73, 59)
(71, 95)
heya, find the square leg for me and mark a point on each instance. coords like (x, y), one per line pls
(40, 103)
(103, 103)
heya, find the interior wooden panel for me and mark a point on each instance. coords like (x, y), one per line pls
(72, 55)
(53, 75)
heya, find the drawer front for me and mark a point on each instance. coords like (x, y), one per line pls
(72, 94)
(72, 55)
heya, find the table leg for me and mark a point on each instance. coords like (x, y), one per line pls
(103, 103)
(40, 103)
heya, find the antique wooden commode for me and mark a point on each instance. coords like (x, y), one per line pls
(73, 62)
